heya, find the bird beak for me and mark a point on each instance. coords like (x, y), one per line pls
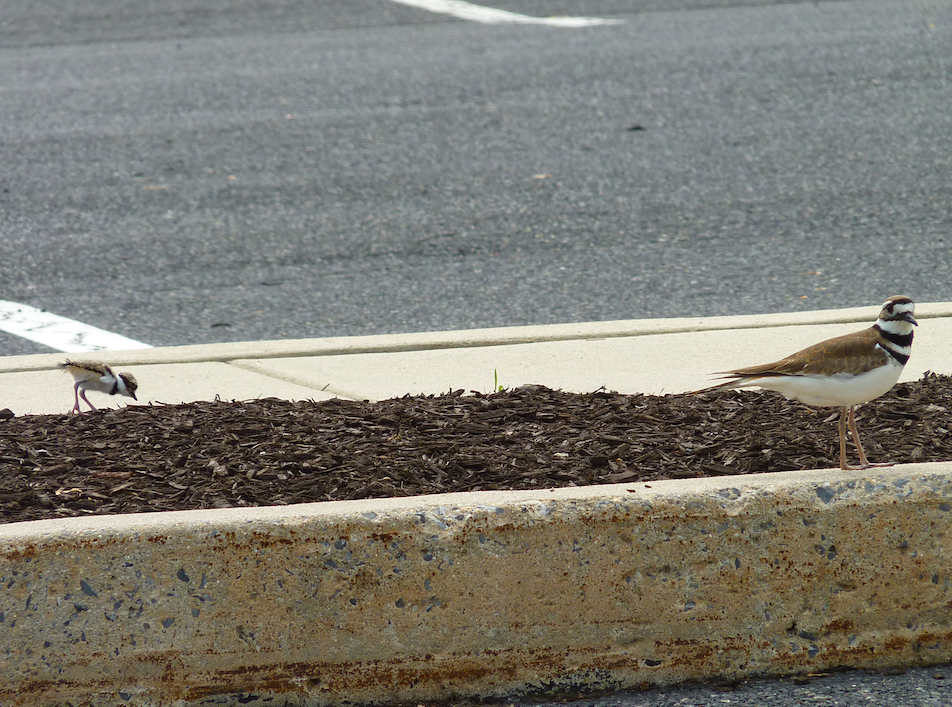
(134, 397)
(909, 318)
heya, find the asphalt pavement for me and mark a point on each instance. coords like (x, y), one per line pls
(186, 174)
(917, 687)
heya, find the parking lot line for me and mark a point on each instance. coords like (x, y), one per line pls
(491, 15)
(59, 332)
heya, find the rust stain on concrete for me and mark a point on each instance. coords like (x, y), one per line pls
(481, 594)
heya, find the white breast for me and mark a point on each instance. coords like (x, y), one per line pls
(101, 384)
(840, 390)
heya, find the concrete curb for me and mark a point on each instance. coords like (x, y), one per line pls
(481, 594)
(473, 338)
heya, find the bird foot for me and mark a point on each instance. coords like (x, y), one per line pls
(867, 465)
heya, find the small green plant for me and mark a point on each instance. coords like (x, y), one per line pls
(496, 387)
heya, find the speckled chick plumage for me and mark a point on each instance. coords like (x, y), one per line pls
(97, 376)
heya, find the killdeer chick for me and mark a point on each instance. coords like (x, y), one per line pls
(93, 375)
(841, 372)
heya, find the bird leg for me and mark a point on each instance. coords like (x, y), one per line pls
(76, 410)
(847, 412)
(862, 455)
(842, 426)
(83, 396)
(859, 445)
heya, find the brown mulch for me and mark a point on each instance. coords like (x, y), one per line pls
(271, 452)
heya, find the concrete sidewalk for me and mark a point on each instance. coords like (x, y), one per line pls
(486, 594)
(647, 356)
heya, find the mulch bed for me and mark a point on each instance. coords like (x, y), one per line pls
(271, 452)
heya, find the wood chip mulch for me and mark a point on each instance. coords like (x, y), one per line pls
(270, 452)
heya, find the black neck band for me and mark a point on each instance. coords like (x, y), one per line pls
(904, 340)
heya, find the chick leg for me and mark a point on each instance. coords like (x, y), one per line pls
(83, 396)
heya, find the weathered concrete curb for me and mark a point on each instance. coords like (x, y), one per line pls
(467, 338)
(481, 594)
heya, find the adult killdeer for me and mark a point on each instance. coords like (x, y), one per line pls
(93, 375)
(841, 372)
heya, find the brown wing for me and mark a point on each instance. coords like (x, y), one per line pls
(851, 353)
(86, 369)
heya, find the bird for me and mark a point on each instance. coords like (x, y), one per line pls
(841, 372)
(93, 375)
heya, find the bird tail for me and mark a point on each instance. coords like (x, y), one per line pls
(734, 382)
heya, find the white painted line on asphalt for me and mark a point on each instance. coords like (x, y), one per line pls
(491, 15)
(58, 332)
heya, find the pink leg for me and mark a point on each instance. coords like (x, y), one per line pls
(862, 455)
(859, 445)
(83, 396)
(842, 426)
(848, 413)
(75, 410)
